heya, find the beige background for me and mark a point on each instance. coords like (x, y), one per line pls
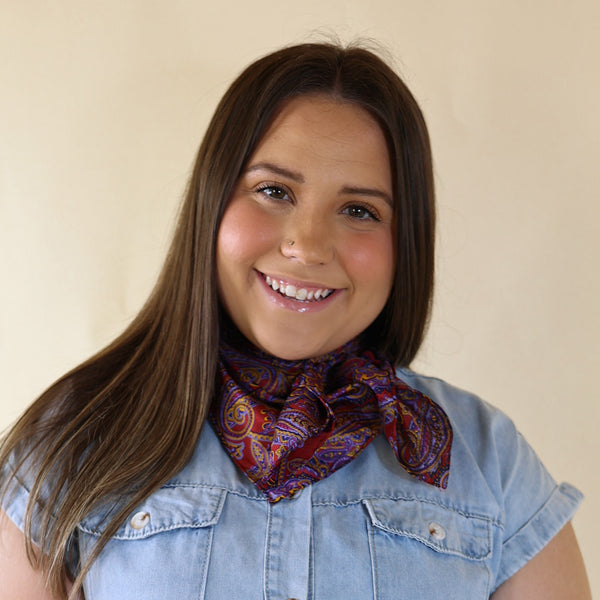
(103, 104)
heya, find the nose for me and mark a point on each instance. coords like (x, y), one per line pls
(309, 241)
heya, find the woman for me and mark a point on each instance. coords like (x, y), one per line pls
(300, 274)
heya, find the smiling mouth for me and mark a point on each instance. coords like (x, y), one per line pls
(297, 293)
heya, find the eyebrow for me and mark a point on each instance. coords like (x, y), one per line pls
(299, 178)
(371, 192)
(267, 166)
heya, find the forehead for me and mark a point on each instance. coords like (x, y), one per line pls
(326, 129)
(309, 107)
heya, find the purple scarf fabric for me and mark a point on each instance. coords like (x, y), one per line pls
(287, 424)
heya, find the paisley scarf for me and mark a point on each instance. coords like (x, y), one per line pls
(287, 424)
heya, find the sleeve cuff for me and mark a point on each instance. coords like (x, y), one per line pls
(557, 511)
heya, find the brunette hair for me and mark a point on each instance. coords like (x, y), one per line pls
(126, 420)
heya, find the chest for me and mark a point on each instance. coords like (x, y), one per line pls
(382, 540)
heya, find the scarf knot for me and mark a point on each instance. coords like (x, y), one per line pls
(287, 424)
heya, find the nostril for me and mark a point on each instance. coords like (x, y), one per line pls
(312, 249)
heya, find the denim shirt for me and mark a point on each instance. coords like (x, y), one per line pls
(369, 530)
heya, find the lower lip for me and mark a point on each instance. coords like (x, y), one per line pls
(300, 306)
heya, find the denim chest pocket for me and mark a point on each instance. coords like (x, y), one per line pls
(424, 549)
(161, 551)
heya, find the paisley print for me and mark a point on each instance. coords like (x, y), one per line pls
(287, 424)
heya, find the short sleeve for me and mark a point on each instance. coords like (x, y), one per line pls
(16, 488)
(535, 507)
(494, 471)
(15, 497)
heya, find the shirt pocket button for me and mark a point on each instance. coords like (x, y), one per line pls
(436, 531)
(140, 520)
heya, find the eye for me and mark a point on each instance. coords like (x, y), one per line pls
(275, 192)
(362, 212)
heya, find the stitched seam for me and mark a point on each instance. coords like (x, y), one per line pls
(150, 530)
(341, 504)
(374, 571)
(311, 568)
(436, 548)
(207, 550)
(267, 561)
(378, 524)
(533, 516)
(212, 486)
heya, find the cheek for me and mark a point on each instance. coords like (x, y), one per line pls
(243, 234)
(371, 262)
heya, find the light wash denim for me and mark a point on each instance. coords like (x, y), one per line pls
(370, 530)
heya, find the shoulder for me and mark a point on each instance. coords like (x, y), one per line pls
(485, 437)
(482, 433)
(466, 410)
(493, 462)
(487, 433)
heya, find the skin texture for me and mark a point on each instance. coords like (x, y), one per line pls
(19, 580)
(556, 573)
(320, 177)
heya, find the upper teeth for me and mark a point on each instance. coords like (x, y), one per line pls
(291, 291)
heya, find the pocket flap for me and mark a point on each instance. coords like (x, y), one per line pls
(170, 507)
(442, 529)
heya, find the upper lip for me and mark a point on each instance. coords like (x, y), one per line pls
(307, 285)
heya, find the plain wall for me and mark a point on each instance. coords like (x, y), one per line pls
(103, 105)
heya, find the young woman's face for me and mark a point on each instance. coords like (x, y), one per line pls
(305, 255)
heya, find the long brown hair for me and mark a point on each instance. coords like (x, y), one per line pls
(127, 419)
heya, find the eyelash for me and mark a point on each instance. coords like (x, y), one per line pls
(370, 214)
(262, 189)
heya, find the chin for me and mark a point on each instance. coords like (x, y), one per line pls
(290, 348)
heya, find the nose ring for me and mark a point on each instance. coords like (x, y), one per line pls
(291, 243)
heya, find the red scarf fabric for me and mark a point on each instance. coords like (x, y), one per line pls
(287, 424)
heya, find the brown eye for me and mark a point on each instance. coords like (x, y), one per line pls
(361, 213)
(274, 192)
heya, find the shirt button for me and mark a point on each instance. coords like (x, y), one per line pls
(140, 520)
(436, 531)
